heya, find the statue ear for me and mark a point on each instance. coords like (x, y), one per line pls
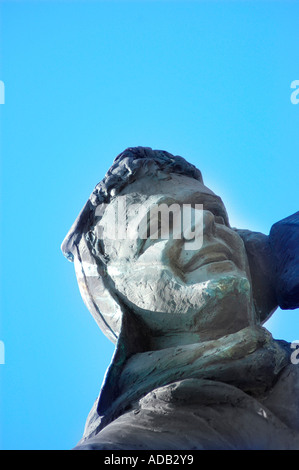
(284, 242)
(261, 265)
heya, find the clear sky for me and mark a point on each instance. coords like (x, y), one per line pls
(210, 81)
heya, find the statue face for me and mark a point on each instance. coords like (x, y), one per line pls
(171, 285)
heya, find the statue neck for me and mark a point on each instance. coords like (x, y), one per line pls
(249, 359)
(225, 359)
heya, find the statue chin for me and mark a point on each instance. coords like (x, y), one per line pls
(168, 306)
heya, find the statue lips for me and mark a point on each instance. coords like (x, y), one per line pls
(209, 254)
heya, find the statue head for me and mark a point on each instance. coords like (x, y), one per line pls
(153, 249)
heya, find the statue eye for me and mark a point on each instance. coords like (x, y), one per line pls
(219, 220)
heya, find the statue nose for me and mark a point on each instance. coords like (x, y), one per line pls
(208, 223)
(200, 229)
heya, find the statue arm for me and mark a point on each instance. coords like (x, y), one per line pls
(284, 243)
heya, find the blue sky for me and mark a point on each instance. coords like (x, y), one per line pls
(84, 80)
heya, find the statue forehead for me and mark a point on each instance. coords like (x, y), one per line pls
(174, 188)
(167, 184)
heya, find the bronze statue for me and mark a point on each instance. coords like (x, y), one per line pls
(184, 295)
